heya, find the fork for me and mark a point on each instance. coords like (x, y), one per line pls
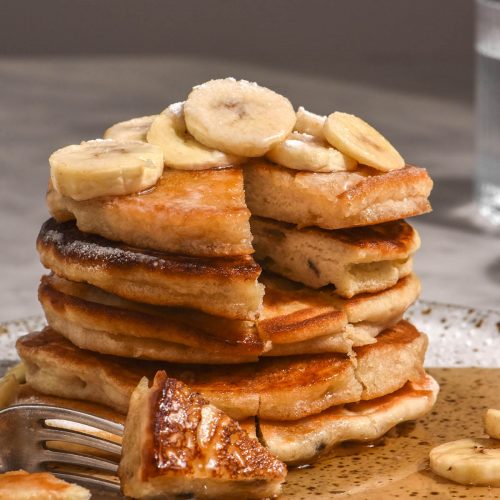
(26, 430)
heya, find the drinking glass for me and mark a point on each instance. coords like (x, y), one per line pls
(488, 109)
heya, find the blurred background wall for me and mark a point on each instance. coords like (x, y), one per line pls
(432, 38)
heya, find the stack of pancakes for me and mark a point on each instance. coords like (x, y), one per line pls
(276, 293)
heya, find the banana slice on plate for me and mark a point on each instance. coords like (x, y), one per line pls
(130, 130)
(306, 152)
(355, 138)
(181, 150)
(492, 423)
(310, 123)
(238, 117)
(105, 167)
(468, 461)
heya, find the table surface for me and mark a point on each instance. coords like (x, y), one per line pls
(47, 103)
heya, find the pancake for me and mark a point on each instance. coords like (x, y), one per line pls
(84, 313)
(177, 445)
(200, 213)
(20, 485)
(355, 260)
(338, 199)
(304, 440)
(292, 322)
(223, 286)
(285, 388)
(366, 315)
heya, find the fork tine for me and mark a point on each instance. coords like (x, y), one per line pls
(48, 412)
(95, 483)
(79, 459)
(76, 437)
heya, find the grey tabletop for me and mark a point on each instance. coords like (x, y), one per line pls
(49, 103)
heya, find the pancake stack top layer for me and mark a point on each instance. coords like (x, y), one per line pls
(151, 248)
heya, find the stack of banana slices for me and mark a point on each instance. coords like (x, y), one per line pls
(254, 253)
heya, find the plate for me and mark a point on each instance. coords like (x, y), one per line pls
(463, 355)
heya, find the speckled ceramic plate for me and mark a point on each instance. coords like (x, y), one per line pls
(397, 466)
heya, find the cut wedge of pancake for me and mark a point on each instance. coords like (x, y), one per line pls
(285, 388)
(193, 213)
(176, 444)
(304, 440)
(294, 320)
(337, 199)
(223, 286)
(355, 260)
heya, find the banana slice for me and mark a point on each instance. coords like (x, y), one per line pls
(355, 138)
(130, 130)
(105, 167)
(238, 117)
(181, 151)
(468, 461)
(306, 152)
(310, 123)
(492, 423)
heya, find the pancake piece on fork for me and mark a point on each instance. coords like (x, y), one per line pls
(175, 443)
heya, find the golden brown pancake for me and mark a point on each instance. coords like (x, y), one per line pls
(355, 260)
(293, 321)
(337, 199)
(20, 485)
(84, 313)
(285, 388)
(199, 213)
(177, 444)
(294, 316)
(223, 286)
(304, 440)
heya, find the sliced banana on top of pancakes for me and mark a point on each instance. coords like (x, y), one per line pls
(221, 124)
(306, 152)
(310, 123)
(135, 129)
(105, 167)
(180, 149)
(238, 117)
(355, 138)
